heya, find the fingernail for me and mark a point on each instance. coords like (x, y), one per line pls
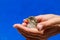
(40, 26)
(14, 26)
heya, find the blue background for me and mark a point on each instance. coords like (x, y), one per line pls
(14, 11)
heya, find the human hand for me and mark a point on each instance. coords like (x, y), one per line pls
(30, 34)
(50, 23)
(34, 33)
(47, 20)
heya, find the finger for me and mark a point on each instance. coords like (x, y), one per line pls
(21, 27)
(25, 21)
(32, 30)
(50, 22)
(45, 17)
(25, 34)
(28, 35)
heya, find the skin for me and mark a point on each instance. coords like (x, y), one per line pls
(41, 32)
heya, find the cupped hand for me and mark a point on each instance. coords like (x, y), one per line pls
(50, 23)
(47, 21)
(29, 33)
(41, 32)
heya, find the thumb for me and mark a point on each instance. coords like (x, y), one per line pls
(48, 23)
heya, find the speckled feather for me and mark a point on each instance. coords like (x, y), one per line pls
(32, 22)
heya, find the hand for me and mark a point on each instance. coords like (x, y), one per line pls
(34, 33)
(50, 23)
(45, 21)
(30, 34)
